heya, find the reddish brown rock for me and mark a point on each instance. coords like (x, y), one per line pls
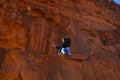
(28, 28)
(12, 34)
(81, 56)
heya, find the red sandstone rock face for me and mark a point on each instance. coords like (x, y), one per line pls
(12, 34)
(28, 28)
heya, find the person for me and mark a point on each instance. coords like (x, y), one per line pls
(64, 48)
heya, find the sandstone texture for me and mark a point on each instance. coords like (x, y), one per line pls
(29, 27)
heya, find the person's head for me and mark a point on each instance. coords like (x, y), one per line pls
(65, 39)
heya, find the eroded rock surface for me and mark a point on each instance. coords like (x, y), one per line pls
(28, 28)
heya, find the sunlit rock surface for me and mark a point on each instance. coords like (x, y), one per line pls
(28, 28)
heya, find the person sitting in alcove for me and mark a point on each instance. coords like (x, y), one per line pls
(64, 49)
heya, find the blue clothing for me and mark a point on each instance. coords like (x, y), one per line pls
(66, 51)
(65, 47)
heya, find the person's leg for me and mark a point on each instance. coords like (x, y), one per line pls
(68, 51)
(59, 51)
(63, 51)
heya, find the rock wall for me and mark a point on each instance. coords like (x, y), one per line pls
(28, 28)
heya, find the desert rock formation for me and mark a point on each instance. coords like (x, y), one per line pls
(28, 28)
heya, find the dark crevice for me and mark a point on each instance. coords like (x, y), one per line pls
(27, 37)
(2, 56)
(19, 76)
(93, 70)
(78, 60)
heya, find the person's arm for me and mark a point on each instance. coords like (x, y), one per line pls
(55, 46)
